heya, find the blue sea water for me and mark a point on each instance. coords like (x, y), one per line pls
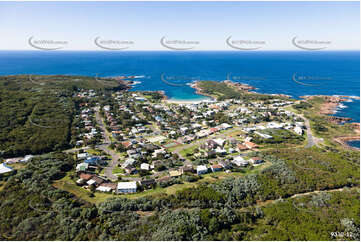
(354, 143)
(294, 73)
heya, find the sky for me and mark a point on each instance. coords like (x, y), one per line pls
(195, 25)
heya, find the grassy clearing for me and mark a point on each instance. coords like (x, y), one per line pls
(67, 184)
(189, 150)
(118, 170)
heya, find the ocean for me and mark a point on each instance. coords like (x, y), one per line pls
(295, 73)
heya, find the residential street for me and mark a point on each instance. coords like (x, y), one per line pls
(108, 172)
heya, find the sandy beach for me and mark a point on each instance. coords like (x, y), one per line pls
(175, 101)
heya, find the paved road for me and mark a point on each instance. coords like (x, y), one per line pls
(310, 138)
(108, 172)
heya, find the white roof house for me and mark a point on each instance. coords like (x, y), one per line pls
(82, 155)
(219, 141)
(226, 126)
(5, 169)
(128, 162)
(27, 158)
(240, 161)
(91, 182)
(127, 187)
(202, 169)
(145, 166)
(103, 189)
(298, 130)
(220, 150)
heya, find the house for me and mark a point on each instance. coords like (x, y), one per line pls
(95, 181)
(126, 144)
(80, 182)
(128, 162)
(145, 166)
(215, 168)
(241, 147)
(220, 141)
(175, 173)
(27, 158)
(240, 161)
(130, 170)
(187, 168)
(102, 188)
(4, 169)
(92, 160)
(147, 183)
(91, 182)
(85, 176)
(221, 151)
(298, 130)
(127, 187)
(250, 145)
(226, 126)
(209, 145)
(184, 129)
(225, 164)
(157, 152)
(113, 186)
(82, 156)
(202, 169)
(82, 167)
(256, 160)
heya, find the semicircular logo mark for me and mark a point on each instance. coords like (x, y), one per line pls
(301, 83)
(37, 83)
(170, 83)
(239, 48)
(304, 48)
(107, 48)
(172, 48)
(41, 48)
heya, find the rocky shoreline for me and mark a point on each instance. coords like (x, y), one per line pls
(199, 90)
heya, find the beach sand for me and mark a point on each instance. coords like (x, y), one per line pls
(175, 101)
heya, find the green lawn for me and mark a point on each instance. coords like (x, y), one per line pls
(189, 150)
(118, 170)
(67, 184)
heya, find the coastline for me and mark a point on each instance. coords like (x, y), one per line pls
(328, 108)
(199, 91)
